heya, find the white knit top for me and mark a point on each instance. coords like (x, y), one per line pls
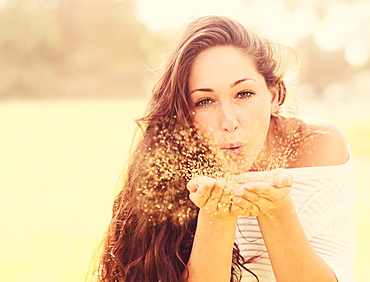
(324, 198)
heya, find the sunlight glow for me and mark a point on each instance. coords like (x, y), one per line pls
(277, 21)
(269, 16)
(332, 31)
(161, 15)
(356, 53)
(50, 4)
(3, 3)
(341, 20)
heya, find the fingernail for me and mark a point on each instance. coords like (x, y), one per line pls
(236, 200)
(280, 181)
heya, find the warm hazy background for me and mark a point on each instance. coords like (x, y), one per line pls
(74, 74)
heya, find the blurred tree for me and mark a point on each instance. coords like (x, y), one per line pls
(29, 46)
(77, 49)
(105, 52)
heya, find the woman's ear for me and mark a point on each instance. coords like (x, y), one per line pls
(274, 99)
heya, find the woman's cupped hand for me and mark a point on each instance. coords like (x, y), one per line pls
(252, 198)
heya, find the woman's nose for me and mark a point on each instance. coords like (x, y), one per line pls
(229, 121)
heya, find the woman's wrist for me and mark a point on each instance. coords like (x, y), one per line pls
(205, 217)
(284, 209)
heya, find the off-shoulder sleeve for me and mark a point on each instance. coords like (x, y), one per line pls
(325, 198)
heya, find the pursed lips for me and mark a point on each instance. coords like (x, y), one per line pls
(233, 148)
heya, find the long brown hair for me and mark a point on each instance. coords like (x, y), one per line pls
(151, 232)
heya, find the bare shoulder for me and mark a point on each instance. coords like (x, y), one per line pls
(321, 143)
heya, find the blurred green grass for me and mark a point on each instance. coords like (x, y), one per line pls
(60, 163)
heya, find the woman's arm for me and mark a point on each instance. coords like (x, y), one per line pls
(292, 256)
(211, 254)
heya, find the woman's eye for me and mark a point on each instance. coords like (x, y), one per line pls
(246, 94)
(203, 103)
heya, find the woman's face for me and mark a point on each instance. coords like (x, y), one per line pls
(231, 104)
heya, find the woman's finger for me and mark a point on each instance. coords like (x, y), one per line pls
(200, 190)
(279, 178)
(265, 190)
(195, 182)
(224, 202)
(256, 198)
(243, 207)
(216, 194)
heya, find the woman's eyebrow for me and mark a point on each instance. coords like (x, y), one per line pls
(231, 85)
(201, 90)
(240, 81)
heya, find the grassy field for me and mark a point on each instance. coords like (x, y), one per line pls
(59, 166)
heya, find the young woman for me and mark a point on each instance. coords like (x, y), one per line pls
(222, 186)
